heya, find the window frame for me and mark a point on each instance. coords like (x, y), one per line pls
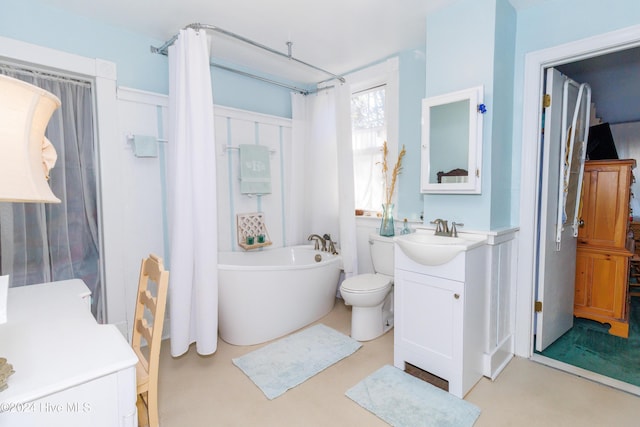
(386, 74)
(103, 75)
(365, 158)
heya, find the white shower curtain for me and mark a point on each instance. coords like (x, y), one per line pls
(294, 174)
(322, 125)
(193, 286)
(345, 179)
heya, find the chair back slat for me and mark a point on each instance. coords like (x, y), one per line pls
(142, 326)
(142, 359)
(149, 301)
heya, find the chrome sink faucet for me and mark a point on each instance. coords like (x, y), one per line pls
(454, 229)
(442, 227)
(318, 242)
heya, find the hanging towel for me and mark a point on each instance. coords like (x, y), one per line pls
(145, 146)
(255, 172)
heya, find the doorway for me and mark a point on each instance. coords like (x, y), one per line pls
(103, 75)
(535, 64)
(47, 243)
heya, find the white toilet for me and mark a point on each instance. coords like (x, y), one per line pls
(371, 295)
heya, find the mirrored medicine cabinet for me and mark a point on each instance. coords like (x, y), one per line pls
(452, 142)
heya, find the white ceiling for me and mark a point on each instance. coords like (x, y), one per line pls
(336, 35)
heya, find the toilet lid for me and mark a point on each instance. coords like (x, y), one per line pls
(366, 283)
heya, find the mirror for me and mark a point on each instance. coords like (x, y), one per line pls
(452, 142)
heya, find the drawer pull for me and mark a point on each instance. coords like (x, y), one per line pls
(456, 296)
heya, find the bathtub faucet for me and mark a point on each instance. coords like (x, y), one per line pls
(332, 247)
(319, 240)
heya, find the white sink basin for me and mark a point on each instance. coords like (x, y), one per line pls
(428, 249)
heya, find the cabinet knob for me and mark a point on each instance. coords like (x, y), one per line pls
(581, 223)
(456, 296)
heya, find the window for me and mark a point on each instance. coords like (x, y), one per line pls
(374, 120)
(369, 131)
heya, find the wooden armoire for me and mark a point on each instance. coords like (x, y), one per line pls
(602, 260)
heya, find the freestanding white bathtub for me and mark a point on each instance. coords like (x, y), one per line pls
(266, 294)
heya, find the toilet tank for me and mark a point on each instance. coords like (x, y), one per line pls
(381, 250)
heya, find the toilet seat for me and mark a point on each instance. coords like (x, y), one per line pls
(365, 283)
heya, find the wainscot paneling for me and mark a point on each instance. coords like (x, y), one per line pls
(143, 196)
(235, 127)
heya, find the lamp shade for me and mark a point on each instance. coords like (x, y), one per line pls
(25, 154)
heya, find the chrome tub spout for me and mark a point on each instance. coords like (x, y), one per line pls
(319, 241)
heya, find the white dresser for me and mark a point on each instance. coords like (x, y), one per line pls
(69, 370)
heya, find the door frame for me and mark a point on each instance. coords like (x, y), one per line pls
(535, 64)
(103, 75)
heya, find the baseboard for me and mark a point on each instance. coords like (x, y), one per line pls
(498, 359)
(611, 382)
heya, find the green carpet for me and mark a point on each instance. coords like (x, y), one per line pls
(588, 345)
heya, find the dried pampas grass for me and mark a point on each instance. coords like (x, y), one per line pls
(390, 183)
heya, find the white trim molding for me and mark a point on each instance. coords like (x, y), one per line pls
(103, 74)
(499, 300)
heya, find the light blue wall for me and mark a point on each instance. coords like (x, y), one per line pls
(485, 42)
(502, 125)
(36, 22)
(236, 91)
(459, 55)
(412, 90)
(554, 23)
(467, 43)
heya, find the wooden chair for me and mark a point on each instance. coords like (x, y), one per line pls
(148, 322)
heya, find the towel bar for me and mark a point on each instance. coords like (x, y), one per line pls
(226, 148)
(130, 137)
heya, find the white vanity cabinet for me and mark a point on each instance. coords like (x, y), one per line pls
(440, 317)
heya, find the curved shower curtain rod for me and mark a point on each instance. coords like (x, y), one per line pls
(164, 49)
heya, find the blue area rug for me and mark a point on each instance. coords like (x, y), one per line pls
(406, 401)
(294, 359)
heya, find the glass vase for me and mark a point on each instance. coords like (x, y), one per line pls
(386, 226)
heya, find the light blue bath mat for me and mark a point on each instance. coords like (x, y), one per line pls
(405, 401)
(290, 361)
